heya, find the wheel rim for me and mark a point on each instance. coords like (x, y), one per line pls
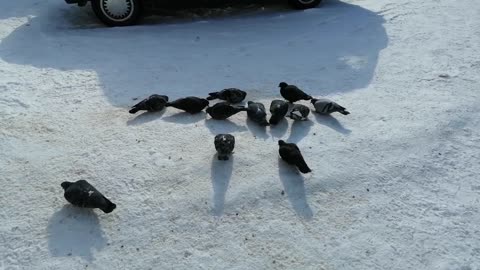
(117, 10)
(306, 2)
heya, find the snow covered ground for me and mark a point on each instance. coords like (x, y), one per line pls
(395, 184)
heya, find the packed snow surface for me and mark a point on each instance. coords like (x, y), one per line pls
(395, 184)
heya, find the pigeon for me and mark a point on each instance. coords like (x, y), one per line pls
(231, 95)
(223, 110)
(153, 103)
(278, 109)
(82, 194)
(290, 153)
(224, 144)
(292, 93)
(326, 106)
(257, 113)
(189, 104)
(299, 112)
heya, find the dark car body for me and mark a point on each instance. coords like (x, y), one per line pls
(127, 12)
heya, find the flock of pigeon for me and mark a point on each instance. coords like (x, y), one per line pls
(83, 194)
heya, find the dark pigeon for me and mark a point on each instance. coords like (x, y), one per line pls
(224, 144)
(290, 153)
(278, 109)
(231, 95)
(326, 106)
(292, 93)
(189, 104)
(82, 194)
(223, 110)
(257, 113)
(153, 103)
(299, 112)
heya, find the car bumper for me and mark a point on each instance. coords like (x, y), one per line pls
(79, 2)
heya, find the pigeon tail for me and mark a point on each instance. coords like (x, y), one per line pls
(303, 167)
(344, 112)
(275, 120)
(222, 157)
(109, 207)
(212, 96)
(133, 110)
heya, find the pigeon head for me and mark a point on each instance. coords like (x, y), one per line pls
(65, 185)
(209, 109)
(283, 84)
(281, 142)
(243, 94)
(205, 102)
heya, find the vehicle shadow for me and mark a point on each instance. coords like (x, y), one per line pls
(255, 48)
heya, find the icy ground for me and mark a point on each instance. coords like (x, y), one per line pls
(395, 184)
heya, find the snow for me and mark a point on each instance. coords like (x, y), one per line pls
(394, 184)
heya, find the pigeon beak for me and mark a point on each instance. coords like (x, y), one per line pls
(65, 185)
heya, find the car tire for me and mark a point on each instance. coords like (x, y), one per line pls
(118, 12)
(304, 4)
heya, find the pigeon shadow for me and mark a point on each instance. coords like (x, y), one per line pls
(145, 117)
(339, 40)
(223, 126)
(74, 231)
(299, 130)
(293, 183)
(331, 122)
(278, 130)
(221, 175)
(257, 130)
(185, 118)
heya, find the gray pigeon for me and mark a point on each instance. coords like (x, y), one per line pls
(278, 109)
(224, 144)
(153, 103)
(326, 106)
(223, 110)
(292, 93)
(257, 113)
(299, 112)
(290, 153)
(189, 104)
(231, 95)
(82, 194)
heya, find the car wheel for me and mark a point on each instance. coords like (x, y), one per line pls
(117, 12)
(304, 4)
